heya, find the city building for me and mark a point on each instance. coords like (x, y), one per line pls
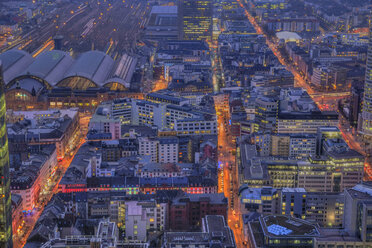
(355, 231)
(260, 200)
(37, 83)
(366, 125)
(265, 114)
(168, 150)
(144, 217)
(187, 211)
(59, 127)
(323, 208)
(5, 202)
(215, 232)
(195, 20)
(163, 23)
(339, 168)
(149, 146)
(358, 206)
(281, 231)
(298, 113)
(107, 235)
(334, 168)
(33, 176)
(17, 213)
(103, 122)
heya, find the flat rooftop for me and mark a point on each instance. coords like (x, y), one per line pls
(278, 226)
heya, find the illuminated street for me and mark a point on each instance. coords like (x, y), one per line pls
(325, 100)
(188, 123)
(20, 238)
(230, 175)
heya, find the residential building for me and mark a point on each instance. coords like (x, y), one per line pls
(33, 176)
(168, 150)
(59, 127)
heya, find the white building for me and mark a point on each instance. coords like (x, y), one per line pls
(148, 114)
(103, 122)
(148, 146)
(168, 150)
(196, 126)
(143, 217)
(161, 150)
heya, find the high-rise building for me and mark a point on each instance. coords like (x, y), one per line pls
(367, 103)
(195, 19)
(265, 114)
(5, 202)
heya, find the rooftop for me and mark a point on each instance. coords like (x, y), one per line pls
(164, 10)
(277, 226)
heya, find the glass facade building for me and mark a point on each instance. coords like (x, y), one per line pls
(195, 19)
(5, 200)
(367, 103)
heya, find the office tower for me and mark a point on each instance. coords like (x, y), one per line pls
(358, 209)
(367, 103)
(195, 19)
(5, 202)
(265, 114)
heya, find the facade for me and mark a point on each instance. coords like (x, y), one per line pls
(195, 18)
(149, 146)
(366, 127)
(260, 200)
(358, 209)
(310, 24)
(5, 202)
(161, 149)
(302, 146)
(186, 212)
(214, 233)
(196, 126)
(59, 127)
(149, 114)
(17, 212)
(305, 122)
(325, 209)
(103, 122)
(143, 217)
(337, 169)
(168, 150)
(122, 109)
(281, 231)
(33, 175)
(163, 23)
(266, 114)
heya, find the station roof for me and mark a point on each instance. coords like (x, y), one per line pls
(50, 66)
(93, 65)
(53, 67)
(14, 61)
